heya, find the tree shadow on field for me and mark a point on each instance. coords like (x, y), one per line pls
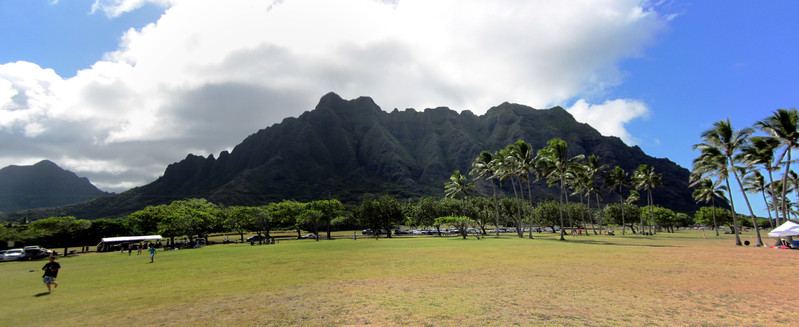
(593, 242)
(42, 294)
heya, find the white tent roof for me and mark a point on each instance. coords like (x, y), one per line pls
(131, 238)
(789, 228)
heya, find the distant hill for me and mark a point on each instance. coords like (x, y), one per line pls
(42, 185)
(346, 148)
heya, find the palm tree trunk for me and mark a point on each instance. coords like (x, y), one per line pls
(496, 206)
(734, 215)
(590, 216)
(770, 220)
(621, 202)
(562, 230)
(651, 212)
(715, 224)
(599, 208)
(773, 191)
(518, 208)
(751, 213)
(785, 185)
(530, 197)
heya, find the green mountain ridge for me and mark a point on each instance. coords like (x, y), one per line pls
(347, 148)
(43, 184)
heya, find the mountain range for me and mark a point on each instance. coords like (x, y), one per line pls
(43, 184)
(344, 149)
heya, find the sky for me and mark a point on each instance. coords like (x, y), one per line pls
(116, 90)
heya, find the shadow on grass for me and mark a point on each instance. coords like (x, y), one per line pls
(42, 294)
(593, 242)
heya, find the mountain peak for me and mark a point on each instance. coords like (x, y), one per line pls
(43, 184)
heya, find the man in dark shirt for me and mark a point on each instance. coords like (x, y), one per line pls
(50, 273)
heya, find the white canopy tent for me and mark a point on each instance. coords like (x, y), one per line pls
(789, 228)
(131, 238)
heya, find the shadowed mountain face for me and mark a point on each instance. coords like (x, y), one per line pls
(344, 149)
(42, 185)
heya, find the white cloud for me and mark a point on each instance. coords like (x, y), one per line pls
(609, 117)
(208, 72)
(114, 8)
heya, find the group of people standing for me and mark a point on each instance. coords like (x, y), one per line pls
(139, 247)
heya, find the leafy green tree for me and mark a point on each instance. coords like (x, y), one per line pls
(483, 208)
(105, 227)
(330, 209)
(145, 221)
(61, 229)
(713, 216)
(461, 223)
(287, 213)
(310, 220)
(380, 213)
(240, 219)
(663, 217)
(261, 222)
(546, 213)
(195, 217)
(613, 214)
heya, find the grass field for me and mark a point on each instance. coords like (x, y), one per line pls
(676, 279)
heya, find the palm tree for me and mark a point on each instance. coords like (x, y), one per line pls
(646, 179)
(754, 182)
(723, 140)
(458, 185)
(617, 178)
(556, 165)
(507, 168)
(760, 151)
(484, 167)
(524, 157)
(593, 170)
(705, 190)
(784, 126)
(582, 186)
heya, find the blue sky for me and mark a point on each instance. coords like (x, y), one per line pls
(115, 90)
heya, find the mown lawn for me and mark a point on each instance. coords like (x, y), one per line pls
(679, 279)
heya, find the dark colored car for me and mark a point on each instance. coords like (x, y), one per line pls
(256, 238)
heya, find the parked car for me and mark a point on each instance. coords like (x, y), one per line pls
(36, 252)
(14, 255)
(311, 236)
(256, 238)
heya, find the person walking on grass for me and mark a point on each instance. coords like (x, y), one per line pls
(50, 273)
(152, 254)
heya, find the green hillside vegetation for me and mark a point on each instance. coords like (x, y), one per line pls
(42, 185)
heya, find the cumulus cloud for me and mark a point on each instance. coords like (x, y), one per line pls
(609, 117)
(208, 73)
